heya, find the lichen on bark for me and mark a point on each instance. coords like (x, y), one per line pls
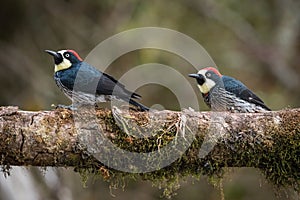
(269, 141)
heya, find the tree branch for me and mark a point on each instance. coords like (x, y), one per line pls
(269, 141)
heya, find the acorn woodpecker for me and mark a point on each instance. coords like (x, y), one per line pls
(224, 93)
(90, 86)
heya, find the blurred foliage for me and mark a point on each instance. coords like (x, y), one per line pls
(258, 42)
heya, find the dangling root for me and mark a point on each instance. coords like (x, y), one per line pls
(120, 120)
(180, 126)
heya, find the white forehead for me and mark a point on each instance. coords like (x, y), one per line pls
(62, 52)
(202, 72)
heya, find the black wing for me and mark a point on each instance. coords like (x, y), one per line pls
(240, 90)
(103, 84)
(109, 85)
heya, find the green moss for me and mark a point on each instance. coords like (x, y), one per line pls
(281, 163)
(167, 178)
(275, 152)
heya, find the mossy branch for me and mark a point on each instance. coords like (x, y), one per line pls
(269, 141)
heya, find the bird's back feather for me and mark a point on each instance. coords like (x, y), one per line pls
(240, 90)
(85, 78)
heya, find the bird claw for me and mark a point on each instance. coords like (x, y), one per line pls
(70, 107)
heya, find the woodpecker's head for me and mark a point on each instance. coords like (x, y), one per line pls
(64, 59)
(207, 78)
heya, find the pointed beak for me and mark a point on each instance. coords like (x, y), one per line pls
(52, 53)
(194, 75)
(57, 57)
(199, 77)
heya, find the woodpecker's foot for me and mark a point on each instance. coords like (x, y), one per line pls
(70, 107)
(131, 108)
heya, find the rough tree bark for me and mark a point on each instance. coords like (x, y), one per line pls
(269, 141)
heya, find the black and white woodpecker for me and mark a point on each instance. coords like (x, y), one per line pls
(92, 86)
(224, 93)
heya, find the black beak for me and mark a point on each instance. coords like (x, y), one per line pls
(57, 57)
(199, 77)
(193, 75)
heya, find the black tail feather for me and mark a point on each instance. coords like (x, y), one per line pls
(135, 96)
(139, 105)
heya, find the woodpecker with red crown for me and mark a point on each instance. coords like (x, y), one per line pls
(224, 93)
(91, 86)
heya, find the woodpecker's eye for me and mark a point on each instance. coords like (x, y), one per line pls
(67, 55)
(208, 74)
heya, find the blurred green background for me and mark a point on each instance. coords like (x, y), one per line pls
(258, 42)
